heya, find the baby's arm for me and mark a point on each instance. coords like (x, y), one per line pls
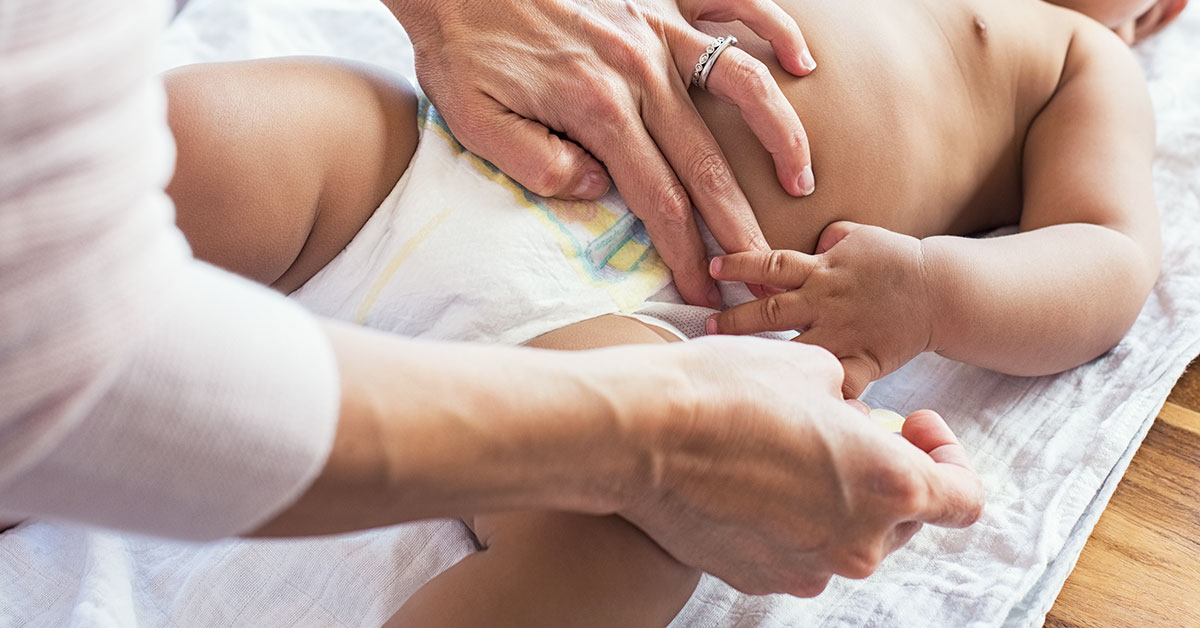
(1070, 284)
(1057, 294)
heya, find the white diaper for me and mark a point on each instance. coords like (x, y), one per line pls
(458, 251)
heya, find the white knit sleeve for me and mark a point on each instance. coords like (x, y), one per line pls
(139, 389)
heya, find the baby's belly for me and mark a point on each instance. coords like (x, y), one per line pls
(898, 134)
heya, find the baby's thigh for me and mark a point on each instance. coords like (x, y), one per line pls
(609, 330)
(553, 569)
(281, 161)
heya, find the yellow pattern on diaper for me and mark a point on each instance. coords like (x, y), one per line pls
(602, 240)
(396, 262)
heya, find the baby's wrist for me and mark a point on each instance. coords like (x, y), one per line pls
(932, 267)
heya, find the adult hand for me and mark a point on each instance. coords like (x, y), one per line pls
(863, 296)
(513, 77)
(774, 484)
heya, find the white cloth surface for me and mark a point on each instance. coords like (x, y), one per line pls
(133, 379)
(1050, 449)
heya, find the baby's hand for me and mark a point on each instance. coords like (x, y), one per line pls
(862, 297)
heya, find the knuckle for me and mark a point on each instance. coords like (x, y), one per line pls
(859, 563)
(751, 78)
(633, 57)
(797, 140)
(601, 105)
(672, 207)
(773, 311)
(552, 176)
(710, 172)
(775, 263)
(901, 488)
(973, 511)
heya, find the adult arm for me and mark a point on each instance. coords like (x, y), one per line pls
(511, 77)
(736, 455)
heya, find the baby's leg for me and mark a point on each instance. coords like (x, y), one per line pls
(281, 161)
(280, 164)
(554, 569)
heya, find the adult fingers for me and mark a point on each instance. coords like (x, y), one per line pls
(767, 19)
(955, 492)
(784, 269)
(528, 152)
(780, 312)
(654, 194)
(745, 82)
(689, 146)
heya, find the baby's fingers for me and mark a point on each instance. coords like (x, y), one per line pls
(779, 312)
(782, 269)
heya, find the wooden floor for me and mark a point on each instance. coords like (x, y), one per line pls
(1141, 566)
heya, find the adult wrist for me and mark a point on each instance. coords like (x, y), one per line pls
(652, 401)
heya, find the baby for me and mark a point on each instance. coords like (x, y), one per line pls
(930, 121)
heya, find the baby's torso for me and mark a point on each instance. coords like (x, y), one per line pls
(917, 113)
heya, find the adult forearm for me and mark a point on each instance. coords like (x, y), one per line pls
(447, 430)
(718, 449)
(1038, 302)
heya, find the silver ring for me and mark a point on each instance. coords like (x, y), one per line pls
(707, 60)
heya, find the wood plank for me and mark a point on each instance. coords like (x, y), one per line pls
(1187, 391)
(1141, 566)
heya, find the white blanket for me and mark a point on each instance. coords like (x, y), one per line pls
(1051, 450)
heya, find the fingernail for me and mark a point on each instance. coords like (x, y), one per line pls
(807, 182)
(591, 186)
(807, 60)
(710, 325)
(714, 297)
(714, 268)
